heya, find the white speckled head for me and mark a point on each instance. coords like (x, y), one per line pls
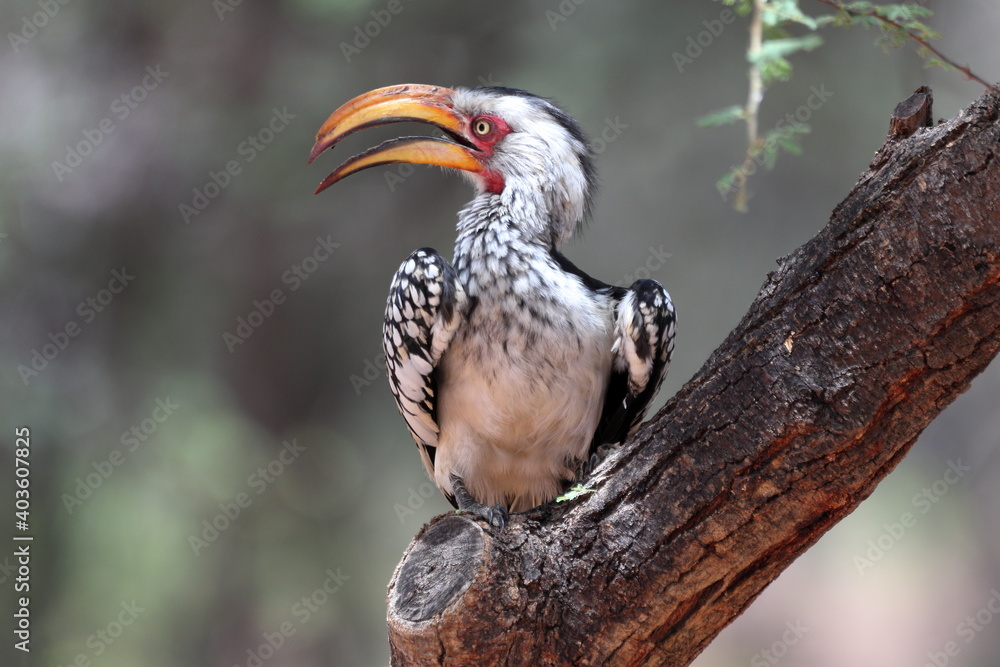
(544, 158)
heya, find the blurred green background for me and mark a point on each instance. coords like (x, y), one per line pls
(149, 424)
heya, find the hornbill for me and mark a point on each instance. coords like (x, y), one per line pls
(510, 365)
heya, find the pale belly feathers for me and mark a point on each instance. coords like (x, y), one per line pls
(517, 418)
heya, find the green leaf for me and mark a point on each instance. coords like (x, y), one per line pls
(791, 145)
(722, 117)
(736, 180)
(778, 69)
(925, 33)
(907, 16)
(779, 48)
(937, 62)
(771, 60)
(575, 492)
(785, 136)
(828, 19)
(776, 32)
(743, 7)
(777, 12)
(901, 13)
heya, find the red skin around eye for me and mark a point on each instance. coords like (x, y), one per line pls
(486, 142)
(493, 180)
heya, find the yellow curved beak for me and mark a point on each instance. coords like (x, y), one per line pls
(397, 104)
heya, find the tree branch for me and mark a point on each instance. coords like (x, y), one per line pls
(859, 339)
(910, 34)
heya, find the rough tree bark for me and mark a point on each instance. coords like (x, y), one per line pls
(859, 339)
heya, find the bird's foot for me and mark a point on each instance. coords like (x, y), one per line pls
(588, 465)
(496, 515)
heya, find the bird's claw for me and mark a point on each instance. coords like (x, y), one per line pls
(495, 515)
(601, 454)
(588, 466)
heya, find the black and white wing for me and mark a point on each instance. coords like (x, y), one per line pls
(426, 305)
(645, 326)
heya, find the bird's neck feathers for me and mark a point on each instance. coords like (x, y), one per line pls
(515, 232)
(501, 238)
(545, 214)
(545, 193)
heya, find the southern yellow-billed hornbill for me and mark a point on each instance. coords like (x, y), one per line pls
(511, 366)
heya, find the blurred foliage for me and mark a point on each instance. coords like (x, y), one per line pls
(280, 492)
(771, 44)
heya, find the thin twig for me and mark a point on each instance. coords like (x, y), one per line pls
(964, 69)
(755, 96)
